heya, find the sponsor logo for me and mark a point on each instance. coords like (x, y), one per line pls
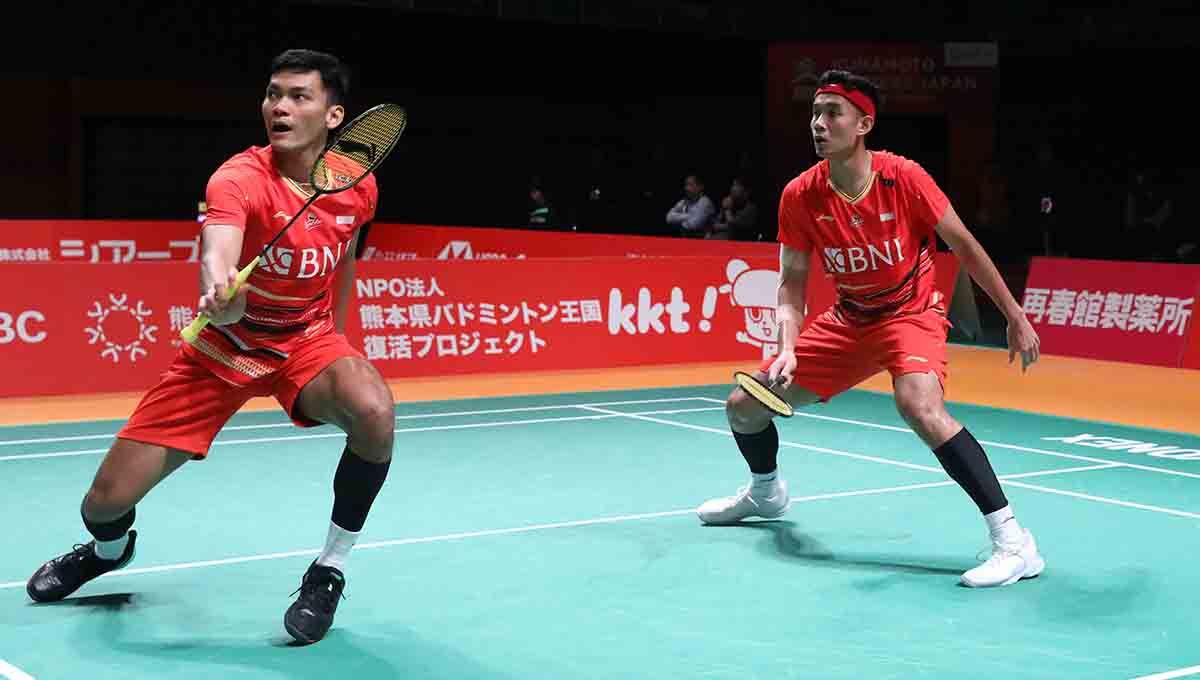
(1131, 445)
(855, 260)
(121, 329)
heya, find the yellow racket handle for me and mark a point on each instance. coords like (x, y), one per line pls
(193, 329)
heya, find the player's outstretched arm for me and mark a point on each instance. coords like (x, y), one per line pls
(789, 312)
(221, 246)
(1021, 336)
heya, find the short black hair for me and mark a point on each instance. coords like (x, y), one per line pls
(335, 76)
(851, 82)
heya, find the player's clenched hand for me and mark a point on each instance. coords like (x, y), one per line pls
(780, 373)
(222, 311)
(1024, 340)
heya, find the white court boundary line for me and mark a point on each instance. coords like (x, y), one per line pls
(530, 528)
(1169, 675)
(337, 434)
(478, 534)
(411, 416)
(999, 445)
(11, 672)
(601, 413)
(609, 414)
(896, 463)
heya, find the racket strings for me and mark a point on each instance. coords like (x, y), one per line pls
(360, 148)
(764, 395)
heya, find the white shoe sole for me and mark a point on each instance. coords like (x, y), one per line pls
(711, 522)
(1034, 570)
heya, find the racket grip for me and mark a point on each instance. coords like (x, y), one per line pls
(192, 330)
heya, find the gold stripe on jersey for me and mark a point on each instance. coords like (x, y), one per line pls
(861, 195)
(297, 188)
(241, 364)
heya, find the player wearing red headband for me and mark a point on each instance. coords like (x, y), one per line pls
(873, 219)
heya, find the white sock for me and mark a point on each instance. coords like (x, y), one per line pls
(765, 480)
(337, 547)
(1002, 523)
(111, 550)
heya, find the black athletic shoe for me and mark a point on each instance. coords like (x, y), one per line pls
(311, 615)
(64, 574)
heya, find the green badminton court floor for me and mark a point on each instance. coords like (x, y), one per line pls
(555, 537)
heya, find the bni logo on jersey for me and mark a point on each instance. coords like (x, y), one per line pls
(278, 260)
(855, 260)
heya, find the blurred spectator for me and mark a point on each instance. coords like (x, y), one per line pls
(541, 215)
(738, 219)
(693, 214)
(1148, 213)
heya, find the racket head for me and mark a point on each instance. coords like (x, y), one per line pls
(359, 148)
(770, 399)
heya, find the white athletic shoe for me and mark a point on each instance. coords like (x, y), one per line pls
(747, 502)
(1010, 562)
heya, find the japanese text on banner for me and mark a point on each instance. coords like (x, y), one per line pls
(1126, 311)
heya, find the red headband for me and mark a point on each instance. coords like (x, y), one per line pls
(856, 97)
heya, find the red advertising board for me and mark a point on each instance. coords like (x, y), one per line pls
(98, 241)
(441, 318)
(394, 242)
(83, 328)
(128, 241)
(1138, 312)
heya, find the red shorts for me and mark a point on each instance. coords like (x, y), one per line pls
(833, 356)
(204, 387)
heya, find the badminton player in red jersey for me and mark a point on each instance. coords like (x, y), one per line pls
(872, 218)
(280, 335)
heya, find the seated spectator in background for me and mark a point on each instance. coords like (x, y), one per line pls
(1148, 213)
(738, 219)
(541, 216)
(693, 214)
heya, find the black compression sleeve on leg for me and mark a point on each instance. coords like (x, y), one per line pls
(759, 449)
(966, 463)
(108, 531)
(355, 486)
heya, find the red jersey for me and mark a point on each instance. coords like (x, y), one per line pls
(879, 246)
(289, 293)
